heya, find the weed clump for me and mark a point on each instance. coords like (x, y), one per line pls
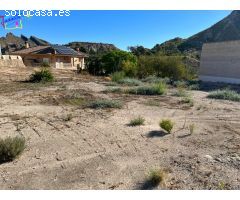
(73, 101)
(155, 89)
(10, 148)
(155, 79)
(137, 121)
(225, 95)
(130, 82)
(181, 92)
(117, 76)
(105, 103)
(191, 128)
(188, 100)
(157, 176)
(113, 90)
(167, 125)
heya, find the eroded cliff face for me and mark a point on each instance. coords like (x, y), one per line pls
(92, 48)
(11, 42)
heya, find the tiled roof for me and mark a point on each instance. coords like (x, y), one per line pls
(60, 50)
(31, 50)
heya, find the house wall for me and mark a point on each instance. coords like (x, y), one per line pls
(11, 61)
(36, 59)
(220, 62)
(78, 62)
(59, 62)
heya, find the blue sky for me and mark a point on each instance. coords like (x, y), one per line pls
(122, 28)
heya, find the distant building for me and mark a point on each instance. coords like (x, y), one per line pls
(220, 62)
(57, 56)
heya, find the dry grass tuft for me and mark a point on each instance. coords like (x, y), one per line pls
(10, 148)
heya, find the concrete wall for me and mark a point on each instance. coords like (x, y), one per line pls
(220, 62)
(11, 61)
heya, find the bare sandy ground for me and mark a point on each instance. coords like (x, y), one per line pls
(96, 149)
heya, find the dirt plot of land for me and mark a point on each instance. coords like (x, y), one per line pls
(73, 147)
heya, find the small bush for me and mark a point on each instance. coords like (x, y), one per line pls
(10, 148)
(117, 76)
(191, 128)
(137, 121)
(188, 99)
(225, 95)
(157, 176)
(130, 82)
(167, 125)
(44, 75)
(103, 104)
(156, 89)
(181, 92)
(154, 79)
(194, 87)
(180, 84)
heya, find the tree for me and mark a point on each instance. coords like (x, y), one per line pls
(139, 50)
(116, 60)
(162, 66)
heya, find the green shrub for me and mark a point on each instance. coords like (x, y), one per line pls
(137, 121)
(130, 82)
(105, 103)
(167, 125)
(157, 176)
(117, 76)
(156, 89)
(10, 148)
(225, 95)
(44, 75)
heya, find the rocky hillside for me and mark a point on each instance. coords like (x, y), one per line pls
(226, 29)
(92, 48)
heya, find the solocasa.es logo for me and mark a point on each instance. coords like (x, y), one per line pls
(11, 23)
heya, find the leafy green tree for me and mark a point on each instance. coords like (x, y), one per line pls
(116, 60)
